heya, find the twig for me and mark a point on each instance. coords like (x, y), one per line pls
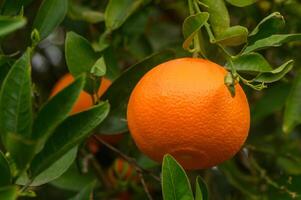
(127, 158)
(98, 170)
(269, 180)
(140, 174)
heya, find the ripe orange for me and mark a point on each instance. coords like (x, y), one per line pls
(83, 102)
(182, 107)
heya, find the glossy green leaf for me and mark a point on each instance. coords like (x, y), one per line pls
(292, 114)
(11, 24)
(201, 190)
(252, 62)
(51, 13)
(276, 74)
(241, 3)
(80, 56)
(68, 135)
(272, 41)
(9, 193)
(219, 17)
(16, 112)
(118, 11)
(233, 36)
(191, 27)
(268, 26)
(5, 171)
(99, 68)
(85, 193)
(118, 95)
(53, 172)
(175, 183)
(55, 111)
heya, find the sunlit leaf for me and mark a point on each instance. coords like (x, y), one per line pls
(191, 26)
(175, 183)
(11, 24)
(272, 41)
(276, 74)
(53, 172)
(201, 191)
(233, 36)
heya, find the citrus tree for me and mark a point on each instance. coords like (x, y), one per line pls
(141, 99)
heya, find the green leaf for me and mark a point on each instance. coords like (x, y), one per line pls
(118, 11)
(73, 179)
(51, 13)
(9, 193)
(292, 113)
(80, 56)
(252, 62)
(276, 74)
(55, 111)
(118, 95)
(192, 25)
(241, 3)
(5, 171)
(233, 36)
(68, 135)
(53, 172)
(268, 26)
(79, 12)
(99, 68)
(201, 190)
(219, 17)
(85, 193)
(16, 112)
(112, 69)
(11, 24)
(272, 41)
(175, 183)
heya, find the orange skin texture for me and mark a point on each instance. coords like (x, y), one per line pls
(84, 102)
(183, 108)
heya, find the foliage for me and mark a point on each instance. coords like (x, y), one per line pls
(42, 145)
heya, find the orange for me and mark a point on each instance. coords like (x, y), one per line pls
(182, 107)
(83, 102)
(122, 171)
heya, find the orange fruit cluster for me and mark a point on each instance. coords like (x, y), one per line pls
(182, 107)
